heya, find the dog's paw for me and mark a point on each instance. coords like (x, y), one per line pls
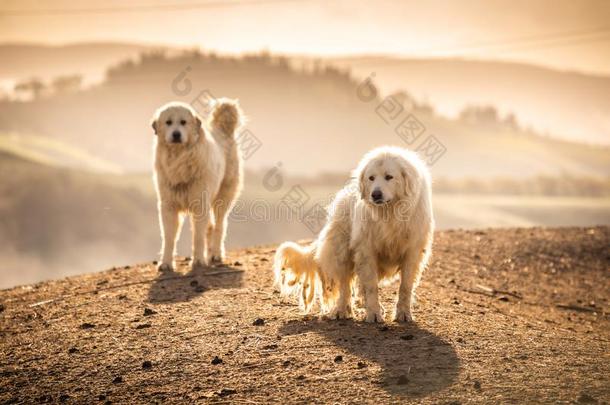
(340, 313)
(373, 317)
(216, 259)
(198, 264)
(165, 267)
(403, 316)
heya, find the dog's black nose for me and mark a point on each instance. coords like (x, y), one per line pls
(176, 136)
(377, 195)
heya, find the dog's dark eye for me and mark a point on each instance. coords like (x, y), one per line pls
(388, 177)
(182, 122)
(372, 178)
(168, 122)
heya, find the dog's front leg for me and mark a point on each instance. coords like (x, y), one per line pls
(199, 225)
(366, 268)
(170, 222)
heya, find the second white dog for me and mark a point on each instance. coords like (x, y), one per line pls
(379, 227)
(197, 172)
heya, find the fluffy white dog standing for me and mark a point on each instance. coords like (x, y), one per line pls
(379, 227)
(197, 172)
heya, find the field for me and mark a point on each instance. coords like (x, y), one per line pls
(503, 316)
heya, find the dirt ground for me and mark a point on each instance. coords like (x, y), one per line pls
(503, 316)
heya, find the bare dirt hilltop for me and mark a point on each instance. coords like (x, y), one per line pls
(504, 316)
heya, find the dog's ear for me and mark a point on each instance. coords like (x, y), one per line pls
(410, 181)
(153, 124)
(199, 127)
(362, 184)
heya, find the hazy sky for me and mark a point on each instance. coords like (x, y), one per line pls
(567, 34)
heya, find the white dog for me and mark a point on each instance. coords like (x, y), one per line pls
(197, 172)
(380, 226)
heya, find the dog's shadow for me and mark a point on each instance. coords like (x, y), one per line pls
(171, 286)
(414, 361)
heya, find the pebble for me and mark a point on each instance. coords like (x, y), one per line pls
(216, 360)
(149, 312)
(237, 263)
(402, 380)
(72, 350)
(87, 325)
(338, 359)
(361, 364)
(258, 322)
(199, 289)
(1, 308)
(407, 337)
(226, 392)
(147, 365)
(477, 385)
(144, 326)
(585, 398)
(117, 380)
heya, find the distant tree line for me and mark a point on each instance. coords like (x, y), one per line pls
(566, 185)
(34, 88)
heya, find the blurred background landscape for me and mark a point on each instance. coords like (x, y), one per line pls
(509, 103)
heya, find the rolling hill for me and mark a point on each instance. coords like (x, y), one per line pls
(565, 104)
(299, 117)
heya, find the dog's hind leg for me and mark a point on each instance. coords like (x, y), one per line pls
(342, 308)
(170, 225)
(217, 234)
(199, 226)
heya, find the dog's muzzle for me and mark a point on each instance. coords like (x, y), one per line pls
(377, 196)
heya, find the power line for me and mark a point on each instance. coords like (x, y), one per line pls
(143, 8)
(566, 42)
(524, 43)
(527, 39)
(552, 39)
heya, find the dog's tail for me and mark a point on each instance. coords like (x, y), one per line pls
(296, 272)
(227, 116)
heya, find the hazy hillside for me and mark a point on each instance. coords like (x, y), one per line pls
(58, 221)
(568, 104)
(299, 116)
